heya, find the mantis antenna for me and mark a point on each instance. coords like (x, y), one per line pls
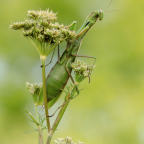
(108, 7)
(113, 10)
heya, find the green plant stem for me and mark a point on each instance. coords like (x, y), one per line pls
(36, 112)
(49, 138)
(40, 135)
(57, 121)
(61, 113)
(39, 127)
(44, 93)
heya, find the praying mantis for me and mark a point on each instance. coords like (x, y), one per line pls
(61, 71)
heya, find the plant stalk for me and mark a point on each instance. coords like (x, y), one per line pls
(61, 113)
(36, 112)
(44, 93)
(39, 127)
(40, 135)
(57, 121)
(49, 138)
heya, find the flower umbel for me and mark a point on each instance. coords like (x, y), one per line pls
(44, 33)
(82, 70)
(67, 140)
(34, 89)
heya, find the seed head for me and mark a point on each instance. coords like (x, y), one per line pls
(42, 30)
(81, 70)
(17, 25)
(34, 89)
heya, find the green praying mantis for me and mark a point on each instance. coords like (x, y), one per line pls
(61, 71)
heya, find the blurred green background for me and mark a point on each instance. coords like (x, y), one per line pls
(110, 110)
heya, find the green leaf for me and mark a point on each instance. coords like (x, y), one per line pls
(34, 120)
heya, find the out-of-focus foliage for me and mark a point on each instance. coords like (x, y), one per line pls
(110, 110)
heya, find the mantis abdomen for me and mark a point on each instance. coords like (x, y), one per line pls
(56, 80)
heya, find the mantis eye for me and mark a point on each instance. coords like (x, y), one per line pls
(101, 14)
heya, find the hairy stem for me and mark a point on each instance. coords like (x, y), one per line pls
(39, 127)
(44, 93)
(36, 112)
(49, 138)
(40, 135)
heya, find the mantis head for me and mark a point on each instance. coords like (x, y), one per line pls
(90, 21)
(97, 15)
(101, 14)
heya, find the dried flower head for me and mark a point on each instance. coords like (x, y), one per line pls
(82, 70)
(42, 30)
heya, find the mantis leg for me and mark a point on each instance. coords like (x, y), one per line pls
(70, 75)
(60, 61)
(66, 67)
(76, 55)
(72, 25)
(67, 46)
(81, 33)
(51, 59)
(58, 54)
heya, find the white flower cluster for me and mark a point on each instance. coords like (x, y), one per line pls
(49, 15)
(34, 89)
(67, 140)
(82, 68)
(40, 27)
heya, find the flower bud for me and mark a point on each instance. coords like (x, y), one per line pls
(59, 141)
(33, 14)
(79, 142)
(33, 88)
(28, 24)
(68, 140)
(44, 23)
(81, 70)
(17, 25)
(40, 37)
